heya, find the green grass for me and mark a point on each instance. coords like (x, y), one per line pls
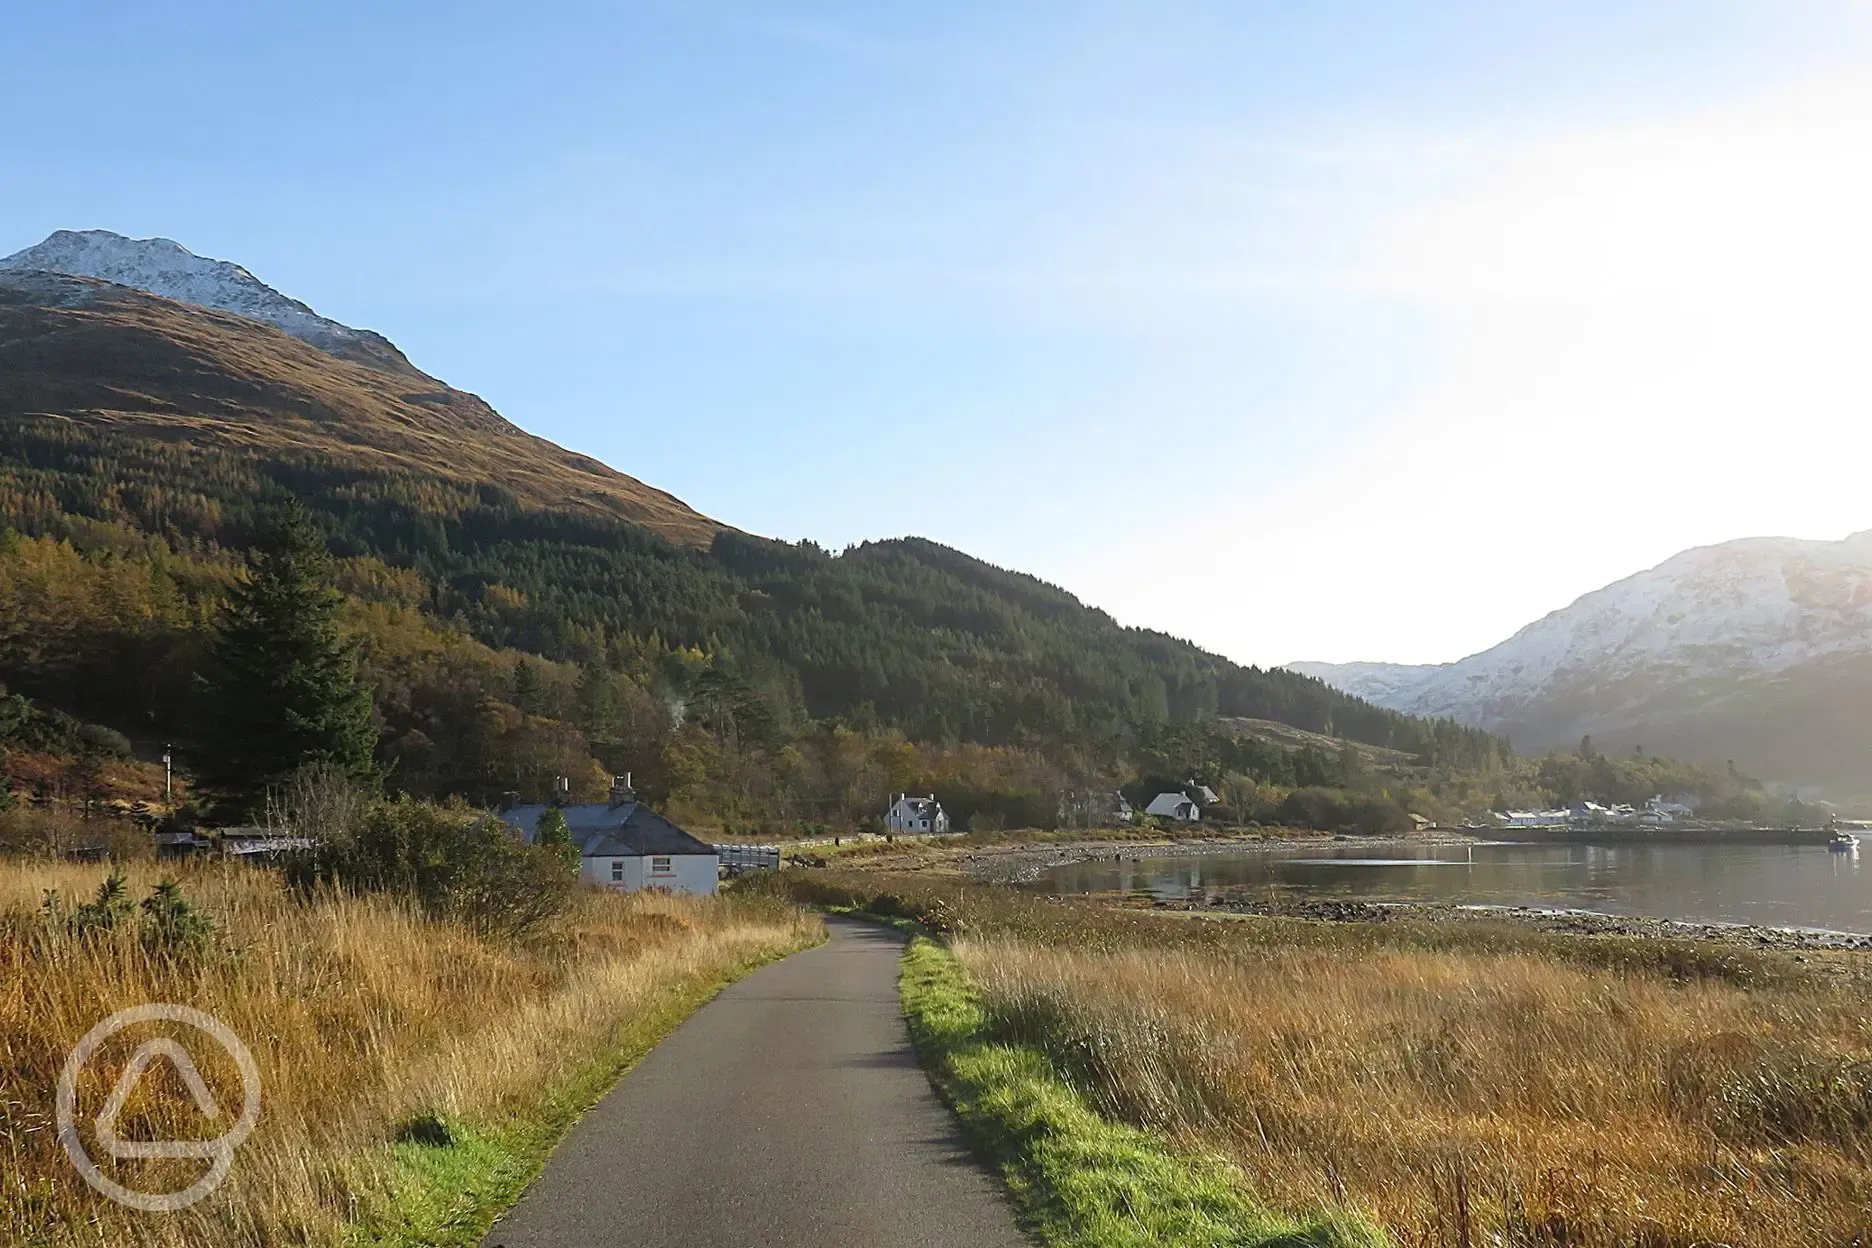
(447, 1195)
(1079, 1180)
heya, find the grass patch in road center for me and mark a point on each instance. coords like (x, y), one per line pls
(1078, 1179)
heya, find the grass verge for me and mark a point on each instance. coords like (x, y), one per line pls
(415, 1070)
(1079, 1180)
(444, 1193)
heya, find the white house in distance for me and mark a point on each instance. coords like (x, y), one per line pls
(625, 845)
(1176, 806)
(916, 814)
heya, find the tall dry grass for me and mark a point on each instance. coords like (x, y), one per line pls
(1468, 1098)
(361, 1015)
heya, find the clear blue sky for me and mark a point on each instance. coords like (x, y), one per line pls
(1267, 324)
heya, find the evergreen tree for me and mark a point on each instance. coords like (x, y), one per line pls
(551, 832)
(283, 688)
(529, 693)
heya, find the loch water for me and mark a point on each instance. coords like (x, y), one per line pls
(1790, 886)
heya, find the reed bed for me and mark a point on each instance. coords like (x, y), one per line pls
(365, 1019)
(1460, 1084)
(1462, 1099)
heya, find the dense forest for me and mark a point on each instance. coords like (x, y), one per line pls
(507, 644)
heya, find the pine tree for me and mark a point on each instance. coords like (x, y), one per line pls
(550, 831)
(283, 688)
(529, 691)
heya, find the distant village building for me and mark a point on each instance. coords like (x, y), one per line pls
(1177, 806)
(1593, 814)
(625, 845)
(916, 814)
(1532, 818)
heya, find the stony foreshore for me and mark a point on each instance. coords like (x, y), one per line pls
(1025, 863)
(1571, 922)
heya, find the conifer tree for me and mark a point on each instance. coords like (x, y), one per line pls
(282, 684)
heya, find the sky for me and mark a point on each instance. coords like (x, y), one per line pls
(1331, 331)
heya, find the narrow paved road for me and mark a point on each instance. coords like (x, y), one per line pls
(789, 1112)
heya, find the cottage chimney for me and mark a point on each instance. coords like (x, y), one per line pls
(508, 801)
(621, 792)
(561, 790)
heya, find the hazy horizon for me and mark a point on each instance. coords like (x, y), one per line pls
(1339, 335)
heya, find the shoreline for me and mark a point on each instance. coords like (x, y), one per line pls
(1558, 920)
(1024, 865)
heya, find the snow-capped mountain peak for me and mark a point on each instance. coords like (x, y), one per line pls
(164, 267)
(1704, 653)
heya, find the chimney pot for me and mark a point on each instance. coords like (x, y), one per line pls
(621, 792)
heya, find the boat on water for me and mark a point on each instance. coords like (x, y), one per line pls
(1843, 843)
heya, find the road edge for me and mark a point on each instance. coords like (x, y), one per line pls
(450, 1195)
(1077, 1179)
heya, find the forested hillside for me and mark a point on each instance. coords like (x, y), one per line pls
(522, 611)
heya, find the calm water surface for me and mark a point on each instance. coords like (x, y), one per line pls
(1804, 886)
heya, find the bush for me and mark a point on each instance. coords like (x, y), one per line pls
(1337, 810)
(171, 924)
(449, 860)
(99, 740)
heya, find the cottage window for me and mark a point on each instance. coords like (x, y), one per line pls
(617, 870)
(660, 866)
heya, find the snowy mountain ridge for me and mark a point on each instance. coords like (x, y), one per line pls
(1704, 619)
(163, 267)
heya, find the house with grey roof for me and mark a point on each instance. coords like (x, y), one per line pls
(915, 814)
(625, 845)
(1177, 806)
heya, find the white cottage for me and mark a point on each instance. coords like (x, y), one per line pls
(916, 814)
(625, 845)
(1176, 806)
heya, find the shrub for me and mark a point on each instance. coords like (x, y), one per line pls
(103, 912)
(1338, 810)
(102, 741)
(449, 860)
(171, 924)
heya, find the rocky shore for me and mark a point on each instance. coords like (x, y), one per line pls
(1023, 864)
(1571, 922)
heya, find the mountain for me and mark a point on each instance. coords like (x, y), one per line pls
(130, 415)
(1384, 683)
(1757, 651)
(98, 357)
(162, 267)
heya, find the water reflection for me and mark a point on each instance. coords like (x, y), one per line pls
(1770, 885)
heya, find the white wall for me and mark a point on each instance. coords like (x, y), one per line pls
(688, 873)
(903, 818)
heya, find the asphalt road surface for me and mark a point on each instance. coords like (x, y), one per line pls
(789, 1112)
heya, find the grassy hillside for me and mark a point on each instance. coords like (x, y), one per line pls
(1806, 726)
(215, 404)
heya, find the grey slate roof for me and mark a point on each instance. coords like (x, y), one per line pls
(601, 830)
